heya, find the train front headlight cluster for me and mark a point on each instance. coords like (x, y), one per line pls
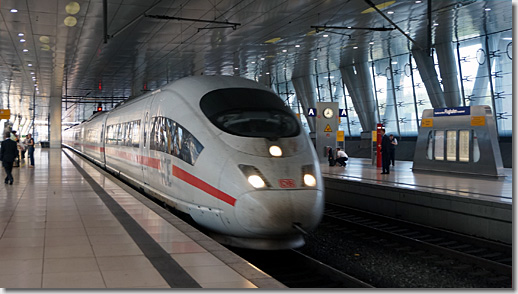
(308, 176)
(254, 176)
(275, 151)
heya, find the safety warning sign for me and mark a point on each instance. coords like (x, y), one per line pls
(328, 128)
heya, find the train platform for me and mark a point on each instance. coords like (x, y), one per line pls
(475, 205)
(67, 224)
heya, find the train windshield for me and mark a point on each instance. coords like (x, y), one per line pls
(250, 113)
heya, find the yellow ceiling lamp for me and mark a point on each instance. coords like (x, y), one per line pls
(72, 8)
(379, 6)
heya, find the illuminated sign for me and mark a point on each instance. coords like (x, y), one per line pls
(451, 111)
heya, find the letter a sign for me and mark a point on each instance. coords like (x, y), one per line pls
(312, 111)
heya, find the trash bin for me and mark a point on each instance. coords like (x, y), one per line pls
(45, 144)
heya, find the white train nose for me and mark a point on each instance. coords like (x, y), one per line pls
(274, 212)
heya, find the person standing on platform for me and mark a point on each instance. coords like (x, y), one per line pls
(385, 153)
(392, 150)
(30, 146)
(8, 151)
(341, 157)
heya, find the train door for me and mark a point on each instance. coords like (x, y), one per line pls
(145, 138)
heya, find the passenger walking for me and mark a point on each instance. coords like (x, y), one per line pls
(385, 153)
(8, 151)
(392, 150)
(30, 146)
(341, 157)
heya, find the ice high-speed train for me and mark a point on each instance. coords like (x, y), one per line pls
(225, 150)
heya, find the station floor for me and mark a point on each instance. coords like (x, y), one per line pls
(66, 224)
(491, 189)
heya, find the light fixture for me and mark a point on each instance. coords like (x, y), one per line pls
(394, 62)
(315, 59)
(25, 50)
(325, 36)
(13, 10)
(236, 68)
(72, 7)
(262, 58)
(435, 24)
(371, 43)
(418, 2)
(284, 50)
(30, 64)
(275, 151)
(22, 40)
(297, 46)
(21, 34)
(379, 6)
(256, 181)
(44, 39)
(487, 9)
(390, 12)
(70, 21)
(310, 180)
(355, 47)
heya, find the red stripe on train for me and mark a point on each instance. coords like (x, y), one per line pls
(198, 183)
(144, 160)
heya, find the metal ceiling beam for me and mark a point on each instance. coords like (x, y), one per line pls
(323, 28)
(232, 24)
(392, 23)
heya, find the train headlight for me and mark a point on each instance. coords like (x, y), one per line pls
(275, 151)
(254, 176)
(309, 180)
(308, 176)
(256, 181)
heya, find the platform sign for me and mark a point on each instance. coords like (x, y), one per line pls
(453, 111)
(478, 121)
(328, 128)
(326, 119)
(427, 122)
(342, 112)
(340, 136)
(5, 113)
(312, 111)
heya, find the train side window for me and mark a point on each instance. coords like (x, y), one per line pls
(153, 136)
(145, 128)
(163, 137)
(136, 133)
(175, 149)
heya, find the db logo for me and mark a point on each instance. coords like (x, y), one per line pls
(286, 183)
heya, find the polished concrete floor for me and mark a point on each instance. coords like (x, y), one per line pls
(58, 229)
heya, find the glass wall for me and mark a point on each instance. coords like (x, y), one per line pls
(485, 77)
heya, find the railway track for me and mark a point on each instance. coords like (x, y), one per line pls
(296, 270)
(484, 256)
